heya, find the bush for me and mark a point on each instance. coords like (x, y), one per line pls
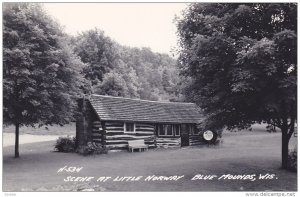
(219, 133)
(65, 144)
(293, 159)
(92, 148)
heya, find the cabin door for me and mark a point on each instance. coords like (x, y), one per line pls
(184, 134)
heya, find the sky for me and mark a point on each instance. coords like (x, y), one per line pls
(131, 24)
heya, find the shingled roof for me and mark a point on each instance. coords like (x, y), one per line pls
(126, 109)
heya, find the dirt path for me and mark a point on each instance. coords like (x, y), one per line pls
(8, 139)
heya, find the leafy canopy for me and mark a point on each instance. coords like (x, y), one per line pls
(118, 70)
(98, 52)
(41, 75)
(241, 62)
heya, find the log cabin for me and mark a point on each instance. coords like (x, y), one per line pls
(113, 121)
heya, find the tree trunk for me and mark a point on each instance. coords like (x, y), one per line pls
(285, 150)
(286, 136)
(17, 140)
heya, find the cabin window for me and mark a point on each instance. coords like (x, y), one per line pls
(165, 130)
(161, 132)
(169, 130)
(129, 127)
(177, 130)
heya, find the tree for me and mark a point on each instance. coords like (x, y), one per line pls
(242, 64)
(148, 67)
(41, 77)
(98, 52)
(113, 84)
(130, 78)
(166, 80)
(134, 72)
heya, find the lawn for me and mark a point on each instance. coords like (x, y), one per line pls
(245, 153)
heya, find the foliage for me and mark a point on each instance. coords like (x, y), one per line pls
(113, 84)
(65, 144)
(92, 148)
(241, 63)
(40, 72)
(68, 145)
(117, 70)
(98, 51)
(271, 128)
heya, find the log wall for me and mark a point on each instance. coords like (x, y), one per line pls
(195, 140)
(166, 142)
(97, 132)
(112, 136)
(116, 139)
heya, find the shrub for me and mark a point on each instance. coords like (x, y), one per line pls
(219, 133)
(92, 148)
(271, 128)
(293, 159)
(65, 144)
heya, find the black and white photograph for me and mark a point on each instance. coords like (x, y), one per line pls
(149, 97)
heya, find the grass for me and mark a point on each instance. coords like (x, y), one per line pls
(239, 154)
